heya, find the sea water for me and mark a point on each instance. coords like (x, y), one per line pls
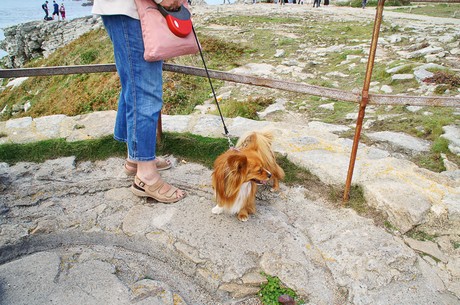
(14, 12)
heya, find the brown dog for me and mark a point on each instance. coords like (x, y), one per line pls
(238, 171)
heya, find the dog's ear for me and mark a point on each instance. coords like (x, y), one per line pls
(238, 163)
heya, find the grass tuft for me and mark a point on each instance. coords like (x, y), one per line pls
(420, 235)
(273, 289)
(41, 151)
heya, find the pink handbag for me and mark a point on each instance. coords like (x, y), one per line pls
(159, 42)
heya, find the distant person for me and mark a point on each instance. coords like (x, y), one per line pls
(227, 1)
(55, 10)
(281, 2)
(62, 11)
(326, 2)
(363, 4)
(45, 9)
(316, 3)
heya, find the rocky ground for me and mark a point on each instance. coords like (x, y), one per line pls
(73, 233)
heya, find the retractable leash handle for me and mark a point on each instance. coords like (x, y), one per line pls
(179, 21)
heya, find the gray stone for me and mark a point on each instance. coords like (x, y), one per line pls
(278, 106)
(16, 82)
(240, 126)
(414, 108)
(404, 206)
(424, 51)
(431, 66)
(421, 74)
(452, 134)
(329, 106)
(176, 123)
(18, 123)
(396, 69)
(399, 77)
(29, 280)
(452, 203)
(386, 89)
(57, 168)
(35, 39)
(426, 247)
(400, 142)
(280, 53)
(333, 128)
(48, 127)
(239, 291)
(258, 69)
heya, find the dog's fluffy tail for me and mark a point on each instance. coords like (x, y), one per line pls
(256, 140)
(261, 141)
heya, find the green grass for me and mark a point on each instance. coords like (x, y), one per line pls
(247, 109)
(186, 146)
(41, 151)
(446, 10)
(84, 93)
(420, 235)
(193, 148)
(373, 3)
(390, 227)
(273, 289)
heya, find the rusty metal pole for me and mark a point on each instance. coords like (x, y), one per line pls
(364, 98)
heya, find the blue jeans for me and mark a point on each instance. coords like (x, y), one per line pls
(140, 100)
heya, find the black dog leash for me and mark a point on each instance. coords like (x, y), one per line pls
(180, 23)
(226, 133)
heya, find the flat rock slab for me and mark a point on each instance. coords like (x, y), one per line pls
(90, 222)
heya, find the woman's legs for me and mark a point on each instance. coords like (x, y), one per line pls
(140, 100)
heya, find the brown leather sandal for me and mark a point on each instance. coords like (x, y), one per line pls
(162, 164)
(141, 189)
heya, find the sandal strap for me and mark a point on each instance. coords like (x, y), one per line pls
(156, 188)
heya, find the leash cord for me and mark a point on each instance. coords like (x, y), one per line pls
(212, 88)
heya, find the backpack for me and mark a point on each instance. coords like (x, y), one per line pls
(44, 6)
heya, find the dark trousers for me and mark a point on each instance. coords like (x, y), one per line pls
(317, 3)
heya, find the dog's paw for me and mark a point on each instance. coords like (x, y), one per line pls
(217, 210)
(242, 217)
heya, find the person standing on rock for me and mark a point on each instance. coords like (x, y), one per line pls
(45, 9)
(55, 10)
(140, 100)
(62, 11)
